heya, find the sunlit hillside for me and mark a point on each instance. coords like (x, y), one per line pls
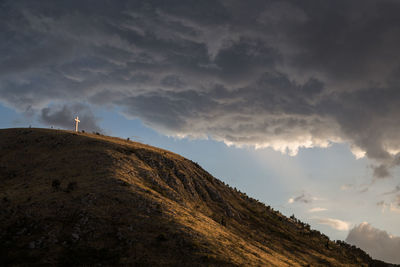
(84, 199)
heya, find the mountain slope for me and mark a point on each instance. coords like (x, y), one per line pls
(83, 199)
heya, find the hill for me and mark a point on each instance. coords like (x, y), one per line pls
(84, 199)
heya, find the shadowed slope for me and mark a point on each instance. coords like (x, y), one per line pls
(73, 198)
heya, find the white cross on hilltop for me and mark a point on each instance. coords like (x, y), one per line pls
(76, 123)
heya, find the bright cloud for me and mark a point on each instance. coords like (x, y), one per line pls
(317, 209)
(334, 223)
(379, 244)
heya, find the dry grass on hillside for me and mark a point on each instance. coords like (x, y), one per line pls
(83, 199)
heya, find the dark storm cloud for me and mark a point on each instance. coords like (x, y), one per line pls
(381, 171)
(62, 116)
(280, 74)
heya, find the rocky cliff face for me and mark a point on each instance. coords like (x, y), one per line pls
(81, 199)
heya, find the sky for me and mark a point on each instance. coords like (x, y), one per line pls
(295, 103)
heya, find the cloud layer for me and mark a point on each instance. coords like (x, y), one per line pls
(334, 223)
(60, 116)
(379, 244)
(305, 198)
(317, 209)
(280, 74)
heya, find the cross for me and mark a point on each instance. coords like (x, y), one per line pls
(76, 123)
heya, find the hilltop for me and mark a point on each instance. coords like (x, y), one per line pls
(84, 199)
